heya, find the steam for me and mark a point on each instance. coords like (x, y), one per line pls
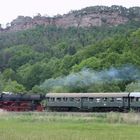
(87, 77)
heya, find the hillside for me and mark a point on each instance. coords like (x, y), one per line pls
(96, 49)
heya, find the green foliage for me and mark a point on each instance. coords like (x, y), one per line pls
(32, 56)
(133, 87)
(92, 62)
(104, 87)
(9, 74)
(37, 89)
(1, 83)
(60, 89)
(13, 86)
(31, 75)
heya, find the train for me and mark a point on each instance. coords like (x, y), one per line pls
(89, 102)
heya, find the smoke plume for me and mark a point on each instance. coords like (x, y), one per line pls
(87, 77)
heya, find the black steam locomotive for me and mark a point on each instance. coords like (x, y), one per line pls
(21, 102)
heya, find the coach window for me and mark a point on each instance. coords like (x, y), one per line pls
(65, 99)
(132, 99)
(125, 99)
(85, 98)
(91, 99)
(112, 99)
(77, 99)
(98, 100)
(119, 99)
(59, 99)
(105, 99)
(52, 99)
(137, 99)
(71, 99)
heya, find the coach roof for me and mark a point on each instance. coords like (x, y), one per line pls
(88, 94)
(135, 94)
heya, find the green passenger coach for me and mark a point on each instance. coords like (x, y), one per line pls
(87, 101)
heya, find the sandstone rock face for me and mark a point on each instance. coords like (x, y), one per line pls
(92, 16)
(91, 20)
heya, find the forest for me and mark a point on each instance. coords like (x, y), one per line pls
(55, 59)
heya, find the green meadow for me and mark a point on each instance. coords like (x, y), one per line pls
(69, 126)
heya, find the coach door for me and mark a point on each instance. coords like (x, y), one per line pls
(84, 103)
(125, 102)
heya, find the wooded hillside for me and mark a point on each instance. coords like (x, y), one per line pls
(56, 59)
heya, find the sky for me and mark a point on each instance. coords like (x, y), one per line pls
(10, 9)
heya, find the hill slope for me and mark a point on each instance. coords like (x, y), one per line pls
(29, 58)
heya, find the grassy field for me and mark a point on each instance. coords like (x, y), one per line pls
(58, 126)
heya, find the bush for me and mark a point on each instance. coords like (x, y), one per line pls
(133, 87)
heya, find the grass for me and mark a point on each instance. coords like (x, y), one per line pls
(58, 126)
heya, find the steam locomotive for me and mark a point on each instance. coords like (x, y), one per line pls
(21, 102)
(71, 102)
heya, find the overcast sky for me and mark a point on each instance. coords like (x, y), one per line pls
(10, 9)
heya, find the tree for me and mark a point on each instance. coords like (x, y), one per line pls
(2, 82)
(9, 74)
(38, 89)
(133, 87)
(13, 86)
(104, 87)
(92, 63)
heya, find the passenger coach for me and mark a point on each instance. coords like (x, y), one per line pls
(88, 101)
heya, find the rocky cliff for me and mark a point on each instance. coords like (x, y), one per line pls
(90, 16)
